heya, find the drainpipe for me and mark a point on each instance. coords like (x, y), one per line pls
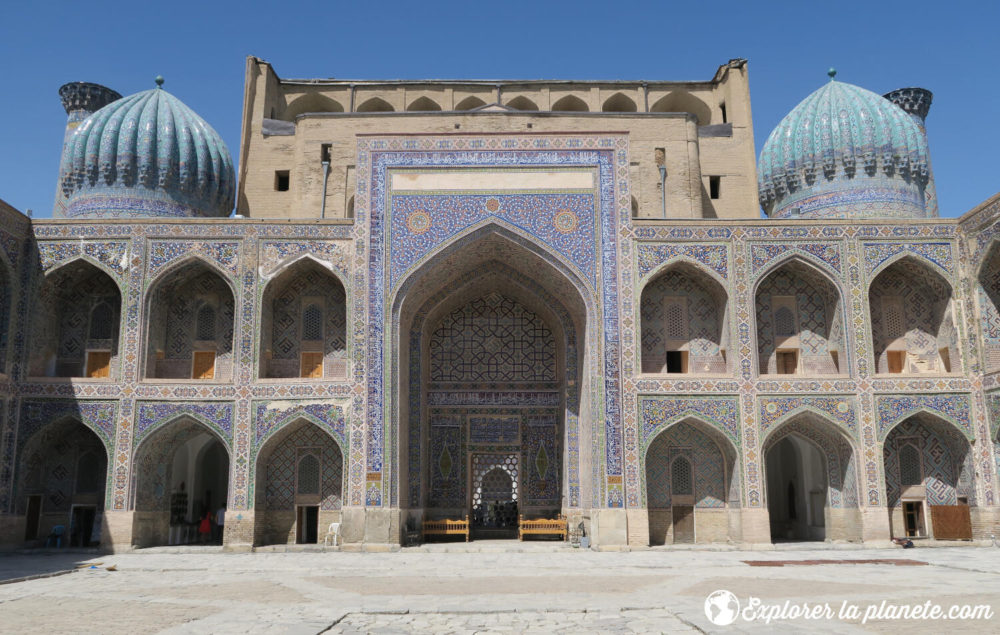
(663, 190)
(326, 175)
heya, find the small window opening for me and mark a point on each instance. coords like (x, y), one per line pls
(714, 183)
(945, 360)
(324, 152)
(677, 361)
(722, 107)
(281, 180)
(897, 361)
(788, 362)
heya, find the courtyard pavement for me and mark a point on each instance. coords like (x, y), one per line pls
(538, 588)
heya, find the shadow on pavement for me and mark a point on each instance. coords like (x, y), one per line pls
(17, 565)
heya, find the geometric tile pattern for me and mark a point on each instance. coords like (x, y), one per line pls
(952, 408)
(285, 464)
(945, 461)
(711, 471)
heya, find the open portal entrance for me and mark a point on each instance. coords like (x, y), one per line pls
(494, 495)
(307, 524)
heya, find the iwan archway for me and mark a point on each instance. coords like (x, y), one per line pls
(492, 341)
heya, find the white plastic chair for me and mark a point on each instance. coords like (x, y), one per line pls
(333, 532)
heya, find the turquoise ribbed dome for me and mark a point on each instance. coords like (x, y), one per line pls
(843, 152)
(147, 155)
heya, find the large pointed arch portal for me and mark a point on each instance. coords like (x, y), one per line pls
(460, 227)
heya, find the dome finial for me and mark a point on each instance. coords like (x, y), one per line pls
(159, 81)
(832, 73)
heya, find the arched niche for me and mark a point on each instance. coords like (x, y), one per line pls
(61, 480)
(375, 104)
(311, 103)
(800, 322)
(930, 479)
(570, 103)
(683, 101)
(619, 102)
(470, 103)
(304, 324)
(490, 277)
(180, 474)
(423, 104)
(299, 486)
(75, 324)
(913, 326)
(522, 103)
(190, 327)
(811, 476)
(692, 485)
(684, 322)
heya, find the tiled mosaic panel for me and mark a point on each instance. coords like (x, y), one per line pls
(174, 309)
(699, 322)
(817, 320)
(61, 461)
(492, 339)
(278, 469)
(954, 408)
(945, 461)
(447, 458)
(711, 470)
(77, 309)
(287, 316)
(988, 295)
(379, 154)
(927, 324)
(841, 463)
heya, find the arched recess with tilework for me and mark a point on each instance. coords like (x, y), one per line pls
(811, 475)
(492, 335)
(77, 321)
(61, 480)
(300, 485)
(190, 324)
(692, 485)
(5, 312)
(180, 473)
(930, 478)
(304, 324)
(799, 316)
(912, 318)
(988, 300)
(684, 322)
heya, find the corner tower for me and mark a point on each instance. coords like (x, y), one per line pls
(80, 99)
(845, 152)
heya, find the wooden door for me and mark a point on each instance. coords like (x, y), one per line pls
(203, 366)
(951, 522)
(683, 524)
(311, 365)
(98, 364)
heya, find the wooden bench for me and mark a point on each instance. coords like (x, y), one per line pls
(447, 527)
(542, 526)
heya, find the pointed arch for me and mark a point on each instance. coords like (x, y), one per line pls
(63, 342)
(276, 478)
(375, 104)
(304, 285)
(795, 287)
(522, 103)
(987, 292)
(173, 301)
(912, 318)
(470, 103)
(570, 103)
(423, 104)
(619, 102)
(311, 103)
(683, 101)
(683, 315)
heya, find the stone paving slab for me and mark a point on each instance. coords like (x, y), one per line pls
(417, 591)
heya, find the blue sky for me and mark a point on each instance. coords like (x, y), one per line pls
(948, 47)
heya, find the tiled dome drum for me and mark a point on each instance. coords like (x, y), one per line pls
(844, 152)
(147, 155)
